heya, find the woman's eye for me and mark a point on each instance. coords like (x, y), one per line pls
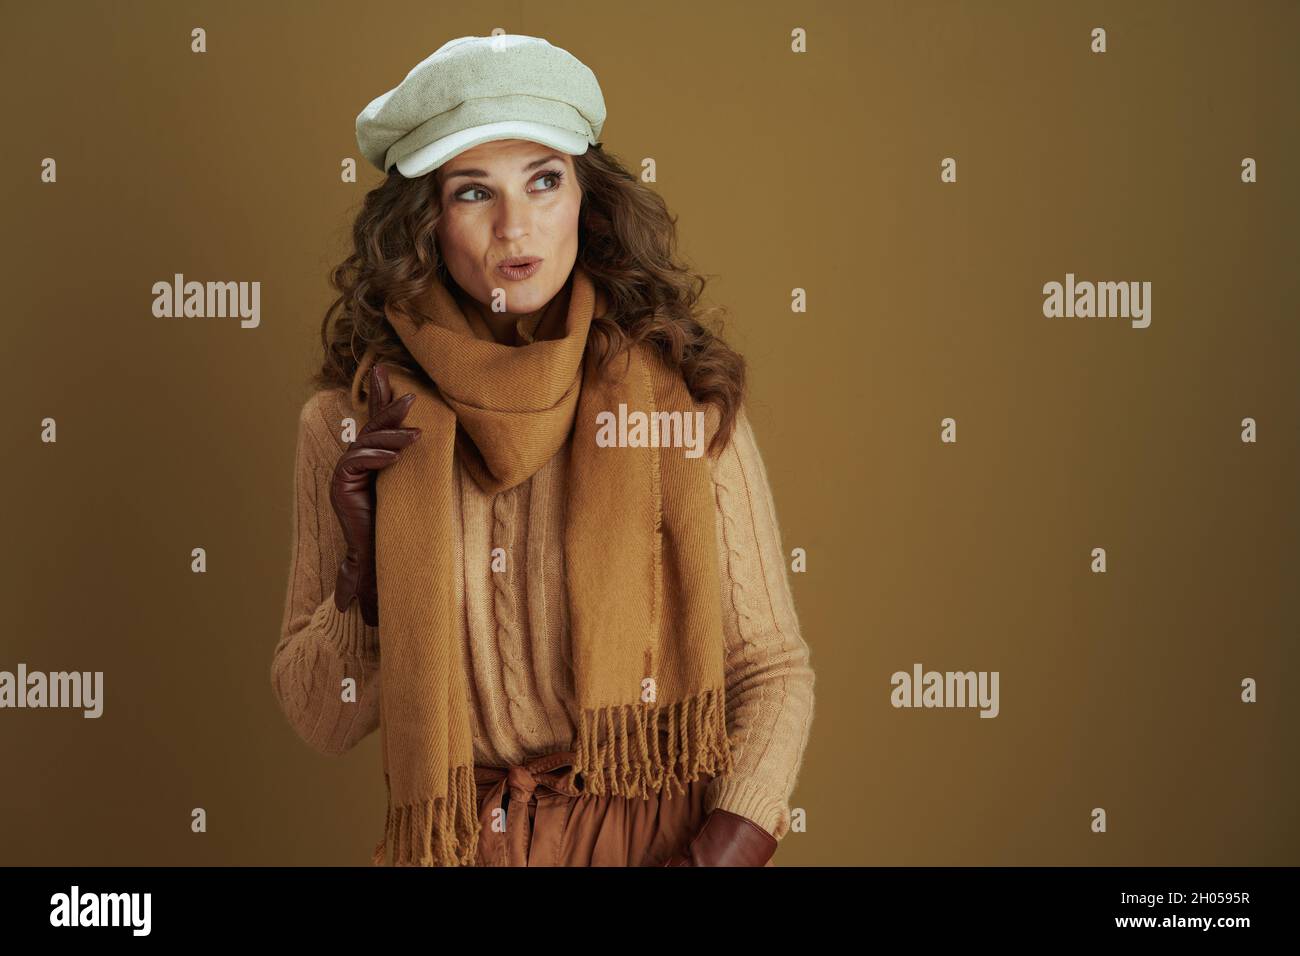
(558, 177)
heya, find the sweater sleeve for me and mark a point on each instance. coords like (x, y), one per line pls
(769, 703)
(319, 646)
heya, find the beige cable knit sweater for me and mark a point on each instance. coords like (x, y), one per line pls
(514, 630)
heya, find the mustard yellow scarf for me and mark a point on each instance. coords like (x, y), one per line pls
(641, 565)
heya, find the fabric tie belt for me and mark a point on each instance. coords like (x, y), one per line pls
(540, 781)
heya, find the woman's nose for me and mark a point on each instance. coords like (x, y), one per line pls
(513, 217)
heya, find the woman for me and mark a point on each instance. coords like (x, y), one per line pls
(554, 523)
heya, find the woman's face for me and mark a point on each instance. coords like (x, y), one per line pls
(505, 199)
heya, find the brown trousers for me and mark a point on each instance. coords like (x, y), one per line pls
(542, 820)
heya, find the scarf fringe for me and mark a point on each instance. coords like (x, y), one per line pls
(629, 761)
(438, 832)
(697, 744)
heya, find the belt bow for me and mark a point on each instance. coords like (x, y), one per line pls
(547, 774)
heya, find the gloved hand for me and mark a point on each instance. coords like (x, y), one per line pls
(352, 492)
(727, 839)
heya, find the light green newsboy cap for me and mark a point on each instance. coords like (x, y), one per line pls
(474, 90)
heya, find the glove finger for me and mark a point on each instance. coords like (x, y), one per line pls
(390, 415)
(358, 462)
(394, 439)
(381, 393)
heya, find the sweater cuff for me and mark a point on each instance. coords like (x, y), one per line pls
(347, 631)
(744, 797)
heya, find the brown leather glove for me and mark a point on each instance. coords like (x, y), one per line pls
(352, 493)
(727, 839)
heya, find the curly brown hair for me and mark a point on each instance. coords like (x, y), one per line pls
(626, 242)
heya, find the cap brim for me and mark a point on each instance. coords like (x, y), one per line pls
(430, 157)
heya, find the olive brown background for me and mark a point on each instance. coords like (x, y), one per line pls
(818, 171)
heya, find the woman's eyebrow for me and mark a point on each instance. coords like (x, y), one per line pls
(482, 172)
